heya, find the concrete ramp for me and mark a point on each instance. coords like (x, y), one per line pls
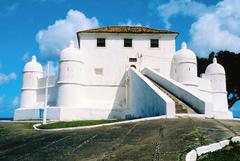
(145, 99)
(180, 106)
(183, 93)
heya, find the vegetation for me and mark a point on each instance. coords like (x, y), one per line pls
(66, 124)
(155, 140)
(195, 139)
(230, 62)
(229, 153)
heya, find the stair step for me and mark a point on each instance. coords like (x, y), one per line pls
(180, 106)
(181, 111)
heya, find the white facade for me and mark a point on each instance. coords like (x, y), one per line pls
(92, 81)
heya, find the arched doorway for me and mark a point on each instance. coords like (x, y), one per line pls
(133, 66)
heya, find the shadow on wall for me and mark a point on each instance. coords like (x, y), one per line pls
(119, 107)
(172, 72)
(144, 101)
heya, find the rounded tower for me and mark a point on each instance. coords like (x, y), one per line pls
(70, 77)
(216, 74)
(32, 72)
(185, 63)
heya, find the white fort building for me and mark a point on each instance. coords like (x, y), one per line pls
(119, 72)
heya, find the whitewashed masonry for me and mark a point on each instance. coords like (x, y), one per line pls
(93, 81)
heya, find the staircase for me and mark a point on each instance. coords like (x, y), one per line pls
(181, 107)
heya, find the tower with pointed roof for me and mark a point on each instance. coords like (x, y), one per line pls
(31, 74)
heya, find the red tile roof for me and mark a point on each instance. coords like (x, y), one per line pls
(128, 29)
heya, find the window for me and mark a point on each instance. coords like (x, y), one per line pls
(132, 59)
(127, 42)
(154, 43)
(157, 70)
(100, 42)
(98, 71)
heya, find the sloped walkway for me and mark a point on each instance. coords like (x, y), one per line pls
(181, 107)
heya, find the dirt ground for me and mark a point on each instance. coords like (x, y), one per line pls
(158, 140)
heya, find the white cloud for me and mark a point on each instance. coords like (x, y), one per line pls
(185, 7)
(57, 36)
(12, 7)
(130, 23)
(218, 30)
(5, 78)
(26, 57)
(15, 102)
(215, 27)
(53, 68)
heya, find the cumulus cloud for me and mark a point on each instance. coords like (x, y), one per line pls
(53, 39)
(218, 30)
(186, 7)
(5, 78)
(12, 7)
(215, 28)
(53, 68)
(26, 56)
(129, 23)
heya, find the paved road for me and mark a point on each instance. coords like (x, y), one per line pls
(151, 140)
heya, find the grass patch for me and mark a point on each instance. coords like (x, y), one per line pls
(4, 131)
(229, 153)
(66, 124)
(163, 139)
(195, 139)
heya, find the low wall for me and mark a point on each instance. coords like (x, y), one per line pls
(145, 99)
(195, 153)
(196, 101)
(27, 114)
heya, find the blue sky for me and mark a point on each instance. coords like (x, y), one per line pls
(43, 28)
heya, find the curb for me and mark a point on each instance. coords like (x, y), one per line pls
(195, 153)
(35, 126)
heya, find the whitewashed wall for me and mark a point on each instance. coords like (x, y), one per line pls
(196, 101)
(145, 99)
(27, 114)
(52, 91)
(114, 57)
(104, 95)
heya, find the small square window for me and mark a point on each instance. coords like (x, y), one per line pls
(127, 42)
(98, 71)
(154, 43)
(132, 59)
(157, 70)
(101, 42)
